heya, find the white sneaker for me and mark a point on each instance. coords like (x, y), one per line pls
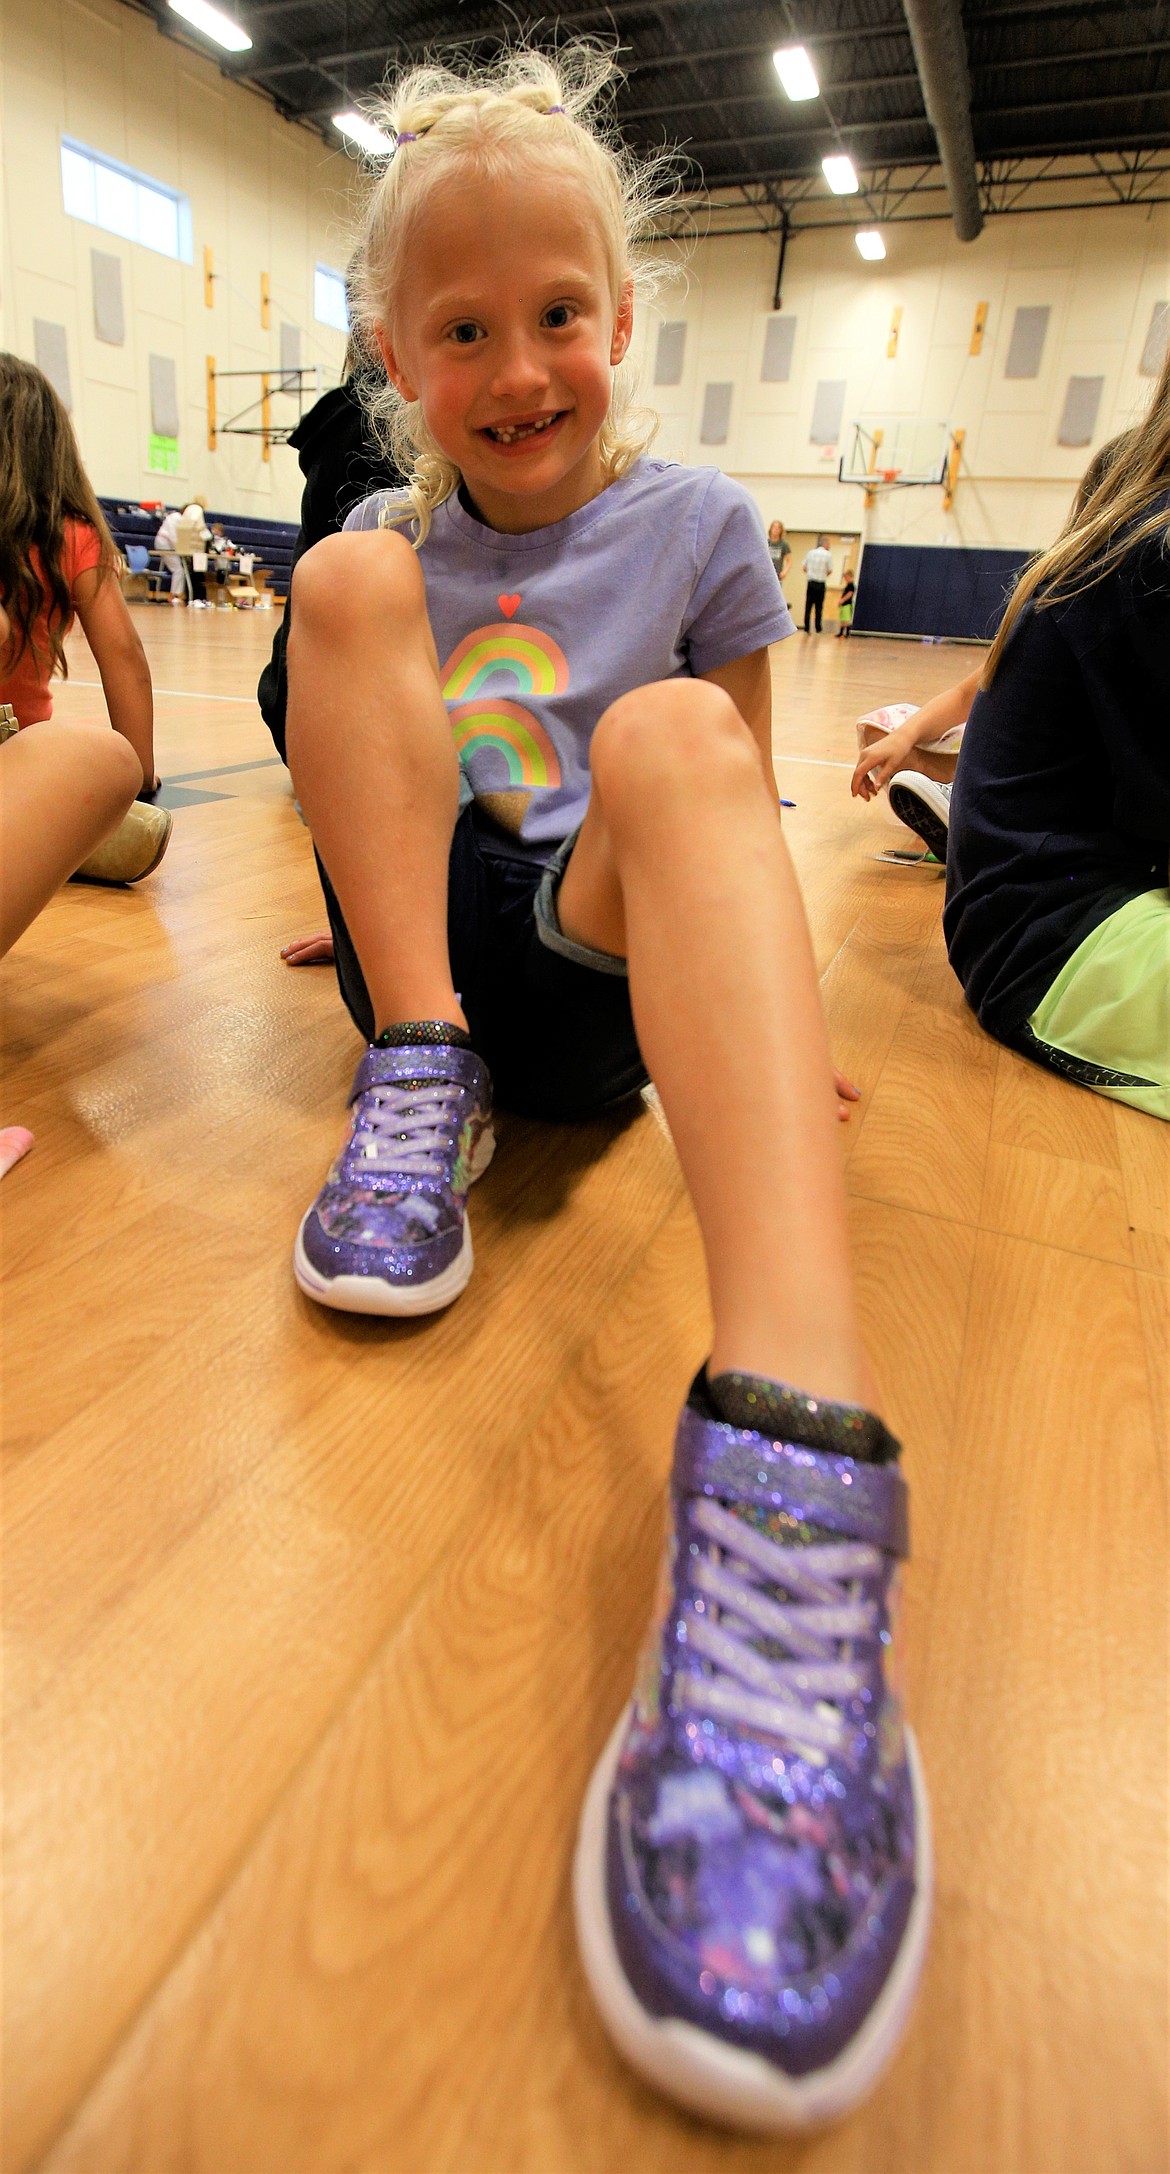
(924, 807)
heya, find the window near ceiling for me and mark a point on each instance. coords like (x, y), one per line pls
(107, 194)
(329, 304)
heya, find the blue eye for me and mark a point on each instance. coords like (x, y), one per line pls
(465, 334)
(558, 316)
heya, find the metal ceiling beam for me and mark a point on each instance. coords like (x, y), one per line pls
(764, 96)
(781, 174)
(1016, 63)
(914, 120)
(902, 79)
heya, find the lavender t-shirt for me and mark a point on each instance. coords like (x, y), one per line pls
(665, 574)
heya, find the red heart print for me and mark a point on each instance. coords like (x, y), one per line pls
(509, 605)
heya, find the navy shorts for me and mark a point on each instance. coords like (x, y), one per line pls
(550, 1018)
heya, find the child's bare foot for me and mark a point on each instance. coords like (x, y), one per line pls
(15, 1141)
(309, 951)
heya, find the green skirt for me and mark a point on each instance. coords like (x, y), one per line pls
(1106, 1019)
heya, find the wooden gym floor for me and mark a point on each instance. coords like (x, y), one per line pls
(316, 1626)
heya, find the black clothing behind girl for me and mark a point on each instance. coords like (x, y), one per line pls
(1061, 806)
(341, 464)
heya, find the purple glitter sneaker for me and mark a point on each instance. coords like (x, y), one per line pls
(753, 1870)
(388, 1232)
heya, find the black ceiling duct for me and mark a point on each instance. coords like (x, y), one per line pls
(940, 55)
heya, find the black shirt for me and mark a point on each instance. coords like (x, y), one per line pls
(341, 464)
(1061, 806)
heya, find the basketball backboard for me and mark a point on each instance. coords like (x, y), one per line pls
(895, 452)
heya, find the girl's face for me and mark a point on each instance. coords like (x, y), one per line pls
(505, 330)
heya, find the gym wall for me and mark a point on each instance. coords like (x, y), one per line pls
(265, 195)
(1098, 274)
(738, 387)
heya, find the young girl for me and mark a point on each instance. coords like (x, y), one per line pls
(913, 751)
(62, 788)
(845, 605)
(529, 725)
(1058, 913)
(57, 560)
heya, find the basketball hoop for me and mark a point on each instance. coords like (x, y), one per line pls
(897, 453)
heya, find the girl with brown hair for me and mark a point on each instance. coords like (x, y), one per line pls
(58, 562)
(1058, 912)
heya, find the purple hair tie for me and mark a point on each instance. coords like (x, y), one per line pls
(555, 109)
(405, 135)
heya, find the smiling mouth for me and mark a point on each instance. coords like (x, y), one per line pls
(514, 433)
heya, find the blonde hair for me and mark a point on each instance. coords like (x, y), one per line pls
(1110, 516)
(530, 107)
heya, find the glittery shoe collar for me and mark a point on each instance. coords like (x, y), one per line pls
(388, 1067)
(867, 1502)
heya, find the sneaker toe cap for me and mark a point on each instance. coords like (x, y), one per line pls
(394, 1239)
(744, 1937)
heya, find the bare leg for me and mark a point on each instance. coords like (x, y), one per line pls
(682, 866)
(63, 788)
(370, 750)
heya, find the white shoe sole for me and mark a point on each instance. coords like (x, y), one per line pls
(703, 2073)
(373, 1294)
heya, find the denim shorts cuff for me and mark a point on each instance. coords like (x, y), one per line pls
(548, 926)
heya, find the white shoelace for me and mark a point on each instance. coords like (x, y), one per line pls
(407, 1130)
(799, 1699)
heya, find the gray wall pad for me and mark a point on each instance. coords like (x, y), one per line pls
(109, 316)
(828, 409)
(716, 414)
(1026, 350)
(779, 341)
(51, 351)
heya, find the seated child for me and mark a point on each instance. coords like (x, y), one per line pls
(1058, 913)
(57, 560)
(600, 890)
(62, 787)
(913, 752)
(920, 747)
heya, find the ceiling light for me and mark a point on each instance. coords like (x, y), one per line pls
(796, 72)
(213, 23)
(841, 175)
(870, 245)
(361, 131)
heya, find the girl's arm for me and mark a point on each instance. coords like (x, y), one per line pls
(879, 762)
(748, 680)
(121, 661)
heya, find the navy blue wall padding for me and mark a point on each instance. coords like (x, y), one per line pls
(271, 542)
(934, 589)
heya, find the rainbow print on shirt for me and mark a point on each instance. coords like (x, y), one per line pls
(505, 749)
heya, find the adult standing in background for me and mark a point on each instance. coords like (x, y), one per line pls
(191, 539)
(166, 543)
(779, 550)
(817, 564)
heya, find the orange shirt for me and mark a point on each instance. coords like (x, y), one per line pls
(26, 685)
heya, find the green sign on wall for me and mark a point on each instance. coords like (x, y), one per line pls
(164, 455)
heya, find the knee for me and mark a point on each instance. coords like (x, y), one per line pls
(677, 738)
(105, 760)
(346, 582)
